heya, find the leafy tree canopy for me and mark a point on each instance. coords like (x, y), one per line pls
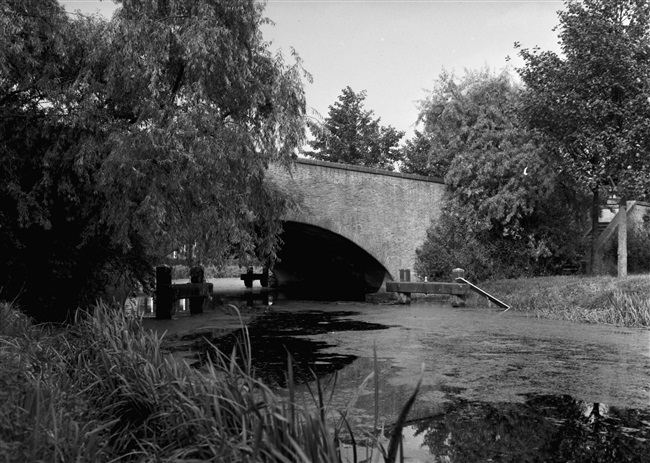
(592, 103)
(350, 135)
(508, 211)
(459, 114)
(125, 139)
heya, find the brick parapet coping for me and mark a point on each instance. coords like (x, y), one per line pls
(369, 170)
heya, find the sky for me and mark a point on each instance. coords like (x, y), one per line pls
(395, 49)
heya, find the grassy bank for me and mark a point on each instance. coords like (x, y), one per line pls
(601, 299)
(102, 391)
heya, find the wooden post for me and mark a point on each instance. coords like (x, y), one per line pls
(595, 255)
(622, 239)
(264, 279)
(164, 298)
(248, 280)
(456, 300)
(197, 275)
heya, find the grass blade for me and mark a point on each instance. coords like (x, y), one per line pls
(396, 437)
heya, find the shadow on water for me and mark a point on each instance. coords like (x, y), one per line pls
(544, 428)
(274, 335)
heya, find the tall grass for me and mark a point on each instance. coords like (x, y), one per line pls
(103, 391)
(601, 299)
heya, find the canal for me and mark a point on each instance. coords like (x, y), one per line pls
(495, 386)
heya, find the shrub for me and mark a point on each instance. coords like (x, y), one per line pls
(448, 246)
(225, 271)
(453, 242)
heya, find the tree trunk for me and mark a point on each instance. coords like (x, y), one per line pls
(594, 262)
(622, 238)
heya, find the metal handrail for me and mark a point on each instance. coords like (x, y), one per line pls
(483, 293)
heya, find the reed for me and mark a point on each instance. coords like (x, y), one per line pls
(103, 390)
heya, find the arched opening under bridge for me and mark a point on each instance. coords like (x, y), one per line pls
(316, 263)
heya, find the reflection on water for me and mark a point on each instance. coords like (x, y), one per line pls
(143, 305)
(275, 335)
(545, 428)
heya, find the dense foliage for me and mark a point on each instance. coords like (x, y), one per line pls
(351, 135)
(508, 211)
(455, 117)
(592, 103)
(123, 140)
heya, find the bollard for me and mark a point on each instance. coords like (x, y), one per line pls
(197, 275)
(457, 273)
(458, 301)
(164, 298)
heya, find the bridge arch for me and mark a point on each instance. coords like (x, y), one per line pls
(317, 260)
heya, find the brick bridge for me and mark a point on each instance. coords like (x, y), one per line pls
(355, 228)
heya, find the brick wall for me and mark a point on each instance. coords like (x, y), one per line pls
(385, 213)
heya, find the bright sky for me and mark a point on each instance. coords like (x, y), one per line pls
(396, 49)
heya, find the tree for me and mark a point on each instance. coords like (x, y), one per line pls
(125, 139)
(508, 213)
(592, 104)
(454, 116)
(350, 135)
(419, 158)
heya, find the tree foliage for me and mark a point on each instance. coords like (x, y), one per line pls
(458, 115)
(508, 213)
(351, 135)
(592, 103)
(125, 139)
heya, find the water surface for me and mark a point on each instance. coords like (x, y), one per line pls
(495, 386)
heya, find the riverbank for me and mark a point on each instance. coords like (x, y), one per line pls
(600, 299)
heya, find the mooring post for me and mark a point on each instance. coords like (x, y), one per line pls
(456, 300)
(164, 298)
(197, 275)
(264, 278)
(248, 278)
